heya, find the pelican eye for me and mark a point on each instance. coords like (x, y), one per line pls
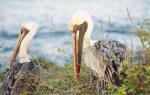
(24, 30)
(76, 27)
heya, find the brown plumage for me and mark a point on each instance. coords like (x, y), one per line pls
(22, 78)
(111, 53)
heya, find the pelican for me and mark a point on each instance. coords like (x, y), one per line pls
(20, 77)
(102, 57)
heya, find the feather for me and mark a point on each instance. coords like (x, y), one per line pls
(21, 78)
(104, 58)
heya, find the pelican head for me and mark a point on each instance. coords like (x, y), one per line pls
(27, 32)
(81, 26)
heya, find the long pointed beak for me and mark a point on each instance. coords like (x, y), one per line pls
(75, 52)
(16, 50)
(75, 36)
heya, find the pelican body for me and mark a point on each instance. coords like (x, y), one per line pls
(22, 77)
(103, 57)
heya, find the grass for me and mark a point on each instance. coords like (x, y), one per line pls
(60, 80)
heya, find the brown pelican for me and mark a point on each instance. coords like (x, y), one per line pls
(22, 76)
(103, 57)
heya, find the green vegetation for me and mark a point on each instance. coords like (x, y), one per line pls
(137, 70)
(59, 80)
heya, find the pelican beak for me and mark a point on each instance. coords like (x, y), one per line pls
(77, 36)
(22, 34)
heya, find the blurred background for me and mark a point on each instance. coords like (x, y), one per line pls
(53, 18)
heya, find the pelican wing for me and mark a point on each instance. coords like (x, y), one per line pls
(104, 58)
(113, 52)
(20, 78)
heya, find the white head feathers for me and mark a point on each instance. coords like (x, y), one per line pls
(22, 55)
(31, 26)
(78, 18)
